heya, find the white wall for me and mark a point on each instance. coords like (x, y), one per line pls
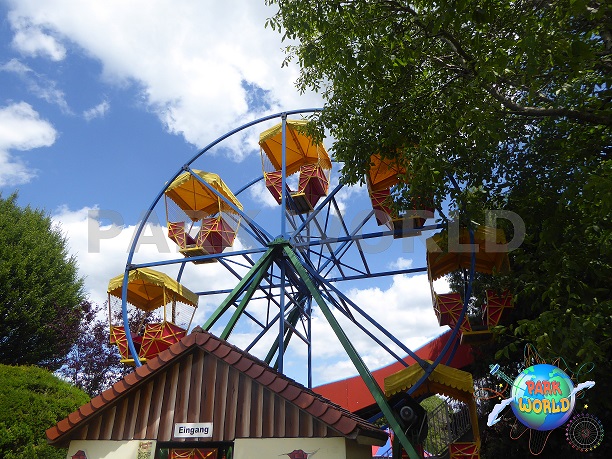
(325, 448)
(107, 449)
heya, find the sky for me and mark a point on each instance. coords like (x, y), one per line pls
(102, 103)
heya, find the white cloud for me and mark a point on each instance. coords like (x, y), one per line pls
(402, 263)
(38, 84)
(197, 63)
(98, 111)
(404, 309)
(260, 194)
(15, 66)
(21, 128)
(31, 39)
(102, 243)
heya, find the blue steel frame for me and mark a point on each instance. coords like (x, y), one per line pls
(316, 265)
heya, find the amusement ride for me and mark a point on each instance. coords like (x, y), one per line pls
(308, 255)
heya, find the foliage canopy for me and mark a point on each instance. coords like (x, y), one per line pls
(453, 84)
(513, 100)
(40, 291)
(31, 401)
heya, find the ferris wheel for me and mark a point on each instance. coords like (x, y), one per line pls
(302, 254)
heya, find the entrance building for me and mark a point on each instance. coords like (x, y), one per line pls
(205, 398)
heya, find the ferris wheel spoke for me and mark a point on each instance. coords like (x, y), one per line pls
(367, 317)
(357, 229)
(315, 213)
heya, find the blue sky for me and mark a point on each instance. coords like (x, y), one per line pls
(101, 103)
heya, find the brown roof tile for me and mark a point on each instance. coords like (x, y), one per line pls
(233, 357)
(345, 424)
(318, 408)
(74, 418)
(304, 400)
(211, 345)
(121, 385)
(97, 402)
(255, 370)
(109, 395)
(291, 392)
(331, 417)
(278, 385)
(267, 377)
(86, 410)
(63, 426)
(222, 350)
(338, 418)
(53, 432)
(243, 364)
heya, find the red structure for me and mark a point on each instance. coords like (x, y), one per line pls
(159, 337)
(352, 393)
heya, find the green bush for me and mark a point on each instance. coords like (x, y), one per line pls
(31, 401)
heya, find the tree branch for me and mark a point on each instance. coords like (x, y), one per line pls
(540, 112)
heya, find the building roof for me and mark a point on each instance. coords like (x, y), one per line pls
(353, 394)
(205, 379)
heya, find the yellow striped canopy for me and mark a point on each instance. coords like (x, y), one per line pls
(300, 148)
(444, 380)
(196, 200)
(149, 289)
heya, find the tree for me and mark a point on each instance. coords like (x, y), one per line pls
(512, 100)
(40, 291)
(31, 401)
(93, 364)
(447, 82)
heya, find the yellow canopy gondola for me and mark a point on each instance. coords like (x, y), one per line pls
(300, 148)
(303, 155)
(491, 252)
(149, 289)
(491, 257)
(192, 207)
(443, 380)
(196, 200)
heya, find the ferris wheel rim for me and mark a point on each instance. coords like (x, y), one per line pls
(130, 265)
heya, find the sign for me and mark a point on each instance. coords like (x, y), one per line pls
(193, 430)
(543, 397)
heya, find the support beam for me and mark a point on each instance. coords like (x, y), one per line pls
(262, 263)
(360, 365)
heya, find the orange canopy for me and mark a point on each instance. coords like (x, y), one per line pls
(300, 149)
(444, 257)
(384, 172)
(196, 199)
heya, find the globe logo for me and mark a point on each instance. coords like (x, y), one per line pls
(543, 397)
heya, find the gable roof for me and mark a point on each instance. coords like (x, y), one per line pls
(205, 379)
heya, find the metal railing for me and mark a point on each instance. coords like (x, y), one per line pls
(448, 422)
